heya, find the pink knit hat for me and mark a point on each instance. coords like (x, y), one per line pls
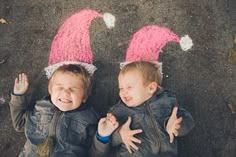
(71, 45)
(146, 44)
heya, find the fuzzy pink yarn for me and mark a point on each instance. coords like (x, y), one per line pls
(147, 43)
(72, 42)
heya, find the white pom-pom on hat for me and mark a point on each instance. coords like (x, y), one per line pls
(109, 20)
(186, 43)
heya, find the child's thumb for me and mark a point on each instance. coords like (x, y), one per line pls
(127, 123)
(174, 112)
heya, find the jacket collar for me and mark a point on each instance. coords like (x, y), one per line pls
(155, 96)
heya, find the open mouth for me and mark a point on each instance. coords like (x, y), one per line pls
(127, 98)
(65, 100)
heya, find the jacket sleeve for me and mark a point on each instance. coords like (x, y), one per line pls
(18, 110)
(120, 112)
(187, 123)
(99, 149)
(116, 138)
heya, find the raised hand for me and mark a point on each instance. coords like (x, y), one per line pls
(127, 136)
(21, 84)
(107, 125)
(173, 124)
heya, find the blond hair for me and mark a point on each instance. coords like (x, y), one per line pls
(78, 71)
(150, 71)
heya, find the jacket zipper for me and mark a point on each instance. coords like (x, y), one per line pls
(153, 123)
(52, 131)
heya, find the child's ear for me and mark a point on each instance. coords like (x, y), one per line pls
(152, 87)
(49, 87)
(84, 98)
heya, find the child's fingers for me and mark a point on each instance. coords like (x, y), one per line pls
(25, 78)
(179, 120)
(128, 149)
(102, 120)
(20, 78)
(15, 85)
(133, 146)
(116, 125)
(16, 80)
(171, 138)
(127, 123)
(137, 131)
(175, 132)
(136, 140)
(177, 126)
(113, 125)
(112, 119)
(109, 115)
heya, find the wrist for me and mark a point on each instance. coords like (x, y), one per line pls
(103, 139)
(17, 94)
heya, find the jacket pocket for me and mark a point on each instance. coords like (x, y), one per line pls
(38, 125)
(75, 131)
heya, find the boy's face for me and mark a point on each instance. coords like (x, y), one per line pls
(133, 92)
(67, 91)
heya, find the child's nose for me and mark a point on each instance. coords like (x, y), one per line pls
(66, 91)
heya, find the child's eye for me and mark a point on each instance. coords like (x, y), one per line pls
(129, 87)
(74, 89)
(59, 88)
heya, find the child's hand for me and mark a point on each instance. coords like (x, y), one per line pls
(127, 136)
(107, 125)
(21, 84)
(173, 124)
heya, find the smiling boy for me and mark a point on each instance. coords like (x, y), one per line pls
(61, 125)
(156, 117)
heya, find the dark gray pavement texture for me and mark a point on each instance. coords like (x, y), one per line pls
(203, 78)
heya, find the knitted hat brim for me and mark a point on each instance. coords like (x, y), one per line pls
(52, 68)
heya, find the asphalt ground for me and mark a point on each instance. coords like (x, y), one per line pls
(203, 77)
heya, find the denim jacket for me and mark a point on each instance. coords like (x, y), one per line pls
(72, 131)
(152, 117)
